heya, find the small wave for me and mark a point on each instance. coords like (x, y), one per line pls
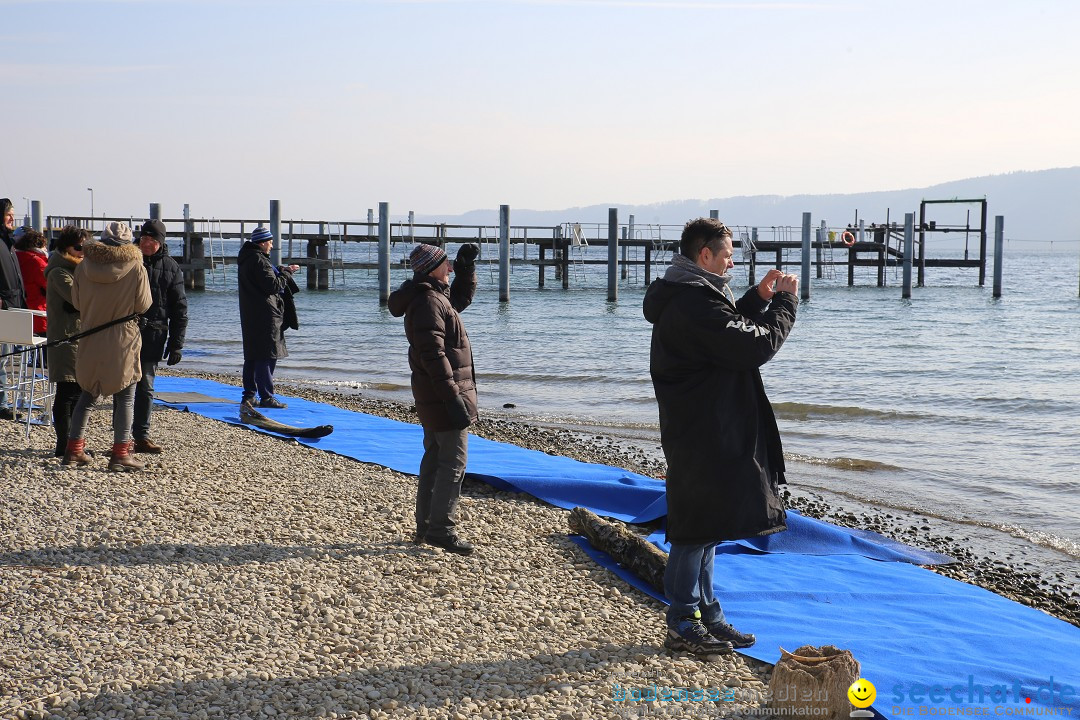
(843, 463)
(1054, 542)
(803, 411)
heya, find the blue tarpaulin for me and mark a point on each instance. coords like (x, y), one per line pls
(925, 641)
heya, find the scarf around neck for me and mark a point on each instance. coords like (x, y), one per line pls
(687, 272)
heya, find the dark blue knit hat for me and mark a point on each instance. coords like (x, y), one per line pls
(261, 235)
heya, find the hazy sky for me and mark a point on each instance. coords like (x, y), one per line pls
(446, 106)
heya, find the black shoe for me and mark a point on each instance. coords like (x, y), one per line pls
(451, 543)
(723, 631)
(419, 537)
(690, 635)
(9, 414)
(272, 402)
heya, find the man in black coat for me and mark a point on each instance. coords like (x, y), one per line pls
(12, 294)
(443, 383)
(163, 328)
(717, 428)
(264, 291)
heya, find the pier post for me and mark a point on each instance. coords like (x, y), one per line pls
(622, 272)
(648, 264)
(322, 253)
(630, 237)
(540, 266)
(999, 251)
(982, 245)
(35, 214)
(275, 230)
(752, 278)
(312, 273)
(155, 213)
(909, 252)
(805, 289)
(185, 249)
(820, 241)
(370, 222)
(384, 252)
(714, 214)
(504, 253)
(613, 255)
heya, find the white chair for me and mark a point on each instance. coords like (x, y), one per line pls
(28, 388)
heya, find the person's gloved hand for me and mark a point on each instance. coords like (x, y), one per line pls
(174, 356)
(459, 413)
(466, 257)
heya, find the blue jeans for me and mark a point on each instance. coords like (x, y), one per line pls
(441, 471)
(688, 583)
(144, 401)
(259, 378)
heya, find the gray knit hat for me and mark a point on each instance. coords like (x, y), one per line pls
(116, 234)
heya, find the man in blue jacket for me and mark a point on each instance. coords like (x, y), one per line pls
(717, 428)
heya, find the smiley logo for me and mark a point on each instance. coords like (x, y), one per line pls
(862, 693)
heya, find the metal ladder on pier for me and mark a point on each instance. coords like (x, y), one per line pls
(216, 257)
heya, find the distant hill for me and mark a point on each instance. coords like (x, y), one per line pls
(1040, 206)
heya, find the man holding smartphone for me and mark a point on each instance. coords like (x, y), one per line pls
(717, 428)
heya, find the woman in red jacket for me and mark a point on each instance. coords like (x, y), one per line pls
(30, 249)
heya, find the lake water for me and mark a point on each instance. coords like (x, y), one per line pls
(952, 403)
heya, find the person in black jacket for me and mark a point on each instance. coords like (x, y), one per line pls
(163, 327)
(717, 428)
(265, 292)
(443, 383)
(12, 294)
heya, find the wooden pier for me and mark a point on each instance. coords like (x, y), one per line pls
(317, 246)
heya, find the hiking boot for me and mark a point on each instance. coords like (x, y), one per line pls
(451, 543)
(421, 533)
(690, 635)
(145, 445)
(272, 402)
(121, 460)
(723, 631)
(74, 453)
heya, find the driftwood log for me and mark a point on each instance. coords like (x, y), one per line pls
(620, 542)
(813, 677)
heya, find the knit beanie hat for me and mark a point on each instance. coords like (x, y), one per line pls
(424, 258)
(154, 229)
(116, 234)
(261, 235)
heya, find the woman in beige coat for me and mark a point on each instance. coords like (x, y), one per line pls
(110, 284)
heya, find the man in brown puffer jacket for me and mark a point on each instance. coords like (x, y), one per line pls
(443, 383)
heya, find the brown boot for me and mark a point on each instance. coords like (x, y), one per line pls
(145, 445)
(74, 453)
(121, 460)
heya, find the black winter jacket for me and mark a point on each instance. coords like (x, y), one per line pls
(12, 293)
(717, 427)
(440, 355)
(166, 320)
(262, 304)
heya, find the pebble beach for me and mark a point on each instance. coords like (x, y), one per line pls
(244, 576)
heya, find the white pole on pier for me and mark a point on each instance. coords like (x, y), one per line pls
(504, 253)
(155, 212)
(275, 230)
(384, 252)
(909, 251)
(999, 249)
(613, 255)
(805, 283)
(35, 214)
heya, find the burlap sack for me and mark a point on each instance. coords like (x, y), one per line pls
(813, 677)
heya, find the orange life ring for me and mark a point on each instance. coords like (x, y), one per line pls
(848, 238)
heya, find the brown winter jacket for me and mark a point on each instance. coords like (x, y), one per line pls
(440, 356)
(110, 283)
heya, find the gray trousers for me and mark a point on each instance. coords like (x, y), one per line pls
(123, 406)
(441, 472)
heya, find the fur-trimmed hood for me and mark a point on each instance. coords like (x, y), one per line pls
(107, 264)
